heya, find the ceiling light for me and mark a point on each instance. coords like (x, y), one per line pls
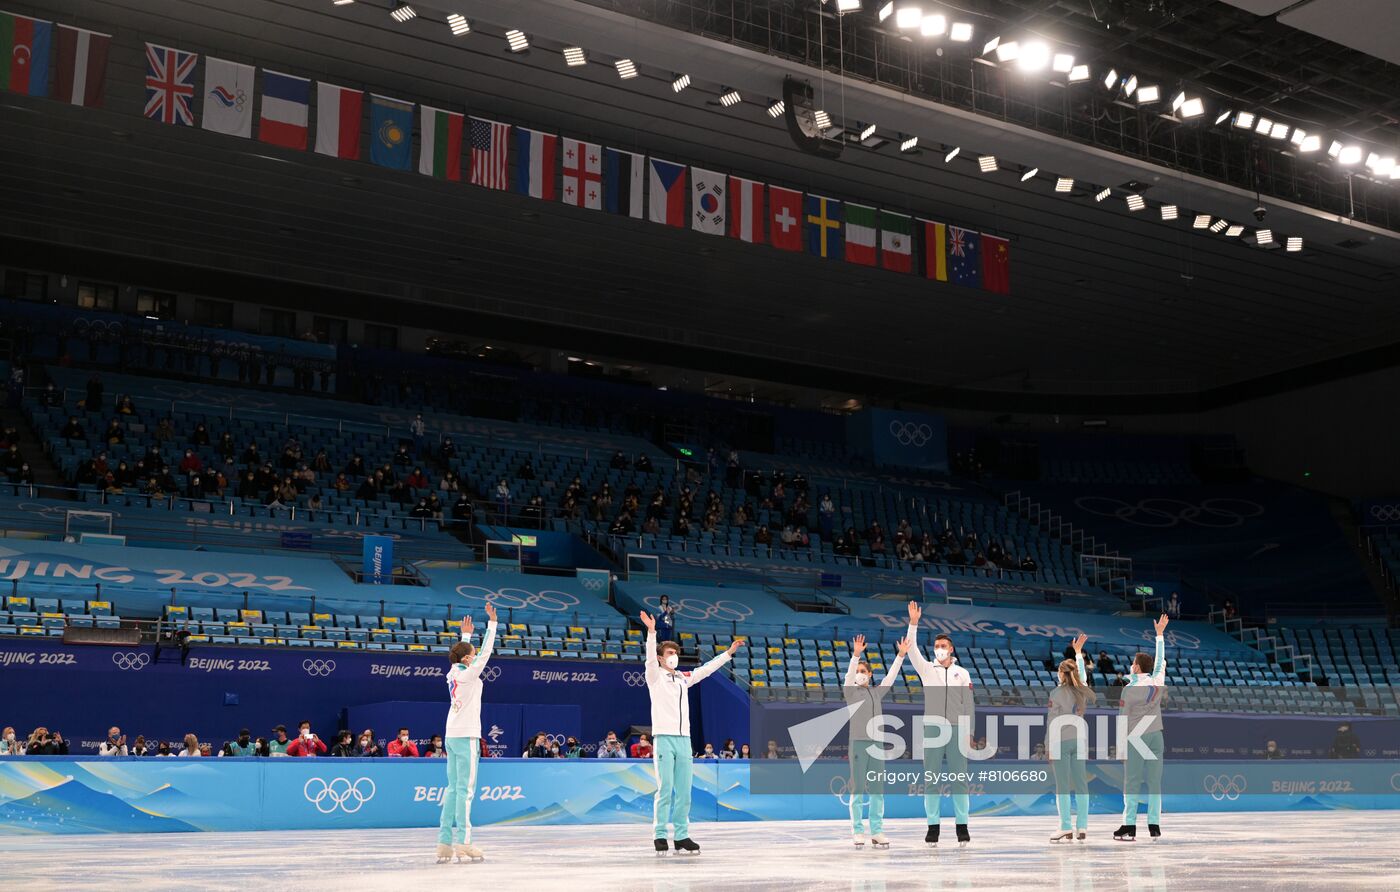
(731, 98)
(1009, 51)
(1349, 155)
(1201, 221)
(1064, 184)
(1148, 93)
(1130, 87)
(776, 108)
(1244, 120)
(1263, 126)
(1219, 225)
(961, 32)
(845, 6)
(987, 163)
(517, 41)
(1264, 236)
(1383, 166)
(865, 133)
(574, 56)
(1169, 212)
(909, 144)
(1034, 56)
(1078, 73)
(822, 119)
(1136, 203)
(403, 13)
(1279, 131)
(1299, 134)
(991, 45)
(626, 69)
(1030, 174)
(680, 83)
(933, 25)
(341, 2)
(1193, 108)
(1107, 191)
(1179, 98)
(1294, 243)
(1234, 231)
(1335, 149)
(1110, 80)
(908, 15)
(1223, 115)
(886, 10)
(459, 24)
(952, 153)
(1063, 63)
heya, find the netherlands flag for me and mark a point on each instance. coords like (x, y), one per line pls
(667, 192)
(338, 116)
(535, 154)
(746, 210)
(285, 103)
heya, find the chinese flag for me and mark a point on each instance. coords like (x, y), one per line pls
(996, 264)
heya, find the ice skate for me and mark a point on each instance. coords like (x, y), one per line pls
(1126, 833)
(1082, 836)
(467, 852)
(963, 836)
(931, 837)
(444, 853)
(1062, 835)
(858, 839)
(878, 841)
(661, 847)
(687, 846)
(1154, 831)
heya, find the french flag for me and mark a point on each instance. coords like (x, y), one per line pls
(285, 103)
(535, 155)
(746, 210)
(338, 116)
(667, 192)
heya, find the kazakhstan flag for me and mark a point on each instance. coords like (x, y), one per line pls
(390, 132)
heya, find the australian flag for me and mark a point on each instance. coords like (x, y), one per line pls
(964, 260)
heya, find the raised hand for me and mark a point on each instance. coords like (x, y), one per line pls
(903, 645)
(491, 611)
(648, 620)
(735, 645)
(858, 645)
(1161, 624)
(1079, 643)
(467, 626)
(915, 612)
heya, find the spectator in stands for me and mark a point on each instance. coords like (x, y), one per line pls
(227, 448)
(665, 619)
(772, 752)
(200, 436)
(611, 747)
(1174, 606)
(642, 749)
(554, 751)
(368, 747)
(729, 752)
(1028, 564)
(762, 535)
(52, 397)
(448, 450)
(1118, 680)
(1105, 664)
(342, 483)
(355, 467)
(243, 746)
(306, 743)
(1038, 754)
(247, 487)
(526, 471)
(192, 749)
(163, 750)
(1271, 750)
(251, 455)
(418, 480)
(9, 745)
(368, 490)
(1230, 611)
(114, 745)
(419, 430)
(73, 430)
(538, 747)
(571, 749)
(623, 525)
(708, 752)
(434, 749)
(403, 747)
(277, 746)
(22, 474)
(503, 497)
(744, 752)
(449, 483)
(13, 459)
(139, 748)
(403, 458)
(462, 511)
(191, 463)
(125, 406)
(1346, 745)
(420, 511)
(45, 743)
(643, 463)
(92, 401)
(619, 461)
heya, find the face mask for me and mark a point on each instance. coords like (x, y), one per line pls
(941, 653)
(403, 738)
(306, 733)
(709, 750)
(672, 661)
(862, 678)
(364, 742)
(243, 741)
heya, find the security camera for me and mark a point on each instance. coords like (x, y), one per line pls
(1260, 212)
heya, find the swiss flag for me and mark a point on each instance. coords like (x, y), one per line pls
(746, 210)
(785, 218)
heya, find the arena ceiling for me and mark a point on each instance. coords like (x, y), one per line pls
(1103, 300)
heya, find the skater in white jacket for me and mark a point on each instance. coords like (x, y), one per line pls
(463, 740)
(670, 733)
(947, 696)
(1142, 708)
(864, 699)
(1070, 698)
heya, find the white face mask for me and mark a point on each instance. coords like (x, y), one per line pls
(672, 661)
(862, 678)
(403, 738)
(941, 654)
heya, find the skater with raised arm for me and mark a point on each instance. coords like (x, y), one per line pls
(948, 697)
(1142, 706)
(865, 699)
(1070, 698)
(463, 740)
(669, 688)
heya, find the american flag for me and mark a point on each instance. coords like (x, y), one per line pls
(489, 143)
(170, 85)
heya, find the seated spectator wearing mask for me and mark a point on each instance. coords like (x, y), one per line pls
(434, 749)
(344, 746)
(139, 748)
(9, 745)
(1346, 745)
(307, 744)
(242, 747)
(729, 752)
(277, 746)
(191, 750)
(538, 748)
(114, 745)
(163, 750)
(1271, 750)
(611, 747)
(402, 746)
(707, 753)
(368, 745)
(571, 749)
(642, 749)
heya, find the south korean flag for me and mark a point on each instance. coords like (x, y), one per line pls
(707, 201)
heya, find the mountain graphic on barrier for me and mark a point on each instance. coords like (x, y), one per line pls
(72, 807)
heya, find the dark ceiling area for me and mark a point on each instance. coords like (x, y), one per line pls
(1104, 302)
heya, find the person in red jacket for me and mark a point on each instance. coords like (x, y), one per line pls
(642, 748)
(402, 746)
(307, 743)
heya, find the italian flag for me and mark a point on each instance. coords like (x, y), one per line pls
(440, 154)
(896, 242)
(860, 234)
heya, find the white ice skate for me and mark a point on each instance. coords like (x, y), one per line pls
(1062, 836)
(878, 841)
(444, 853)
(858, 839)
(467, 852)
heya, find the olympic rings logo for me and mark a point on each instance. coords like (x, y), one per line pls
(519, 599)
(908, 433)
(133, 662)
(1171, 637)
(592, 583)
(634, 679)
(338, 793)
(113, 326)
(1395, 782)
(1224, 786)
(318, 668)
(700, 609)
(1161, 513)
(841, 789)
(491, 673)
(1385, 513)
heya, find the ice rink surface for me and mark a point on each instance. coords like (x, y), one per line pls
(1303, 850)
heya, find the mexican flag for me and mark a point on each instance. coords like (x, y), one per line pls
(896, 242)
(860, 234)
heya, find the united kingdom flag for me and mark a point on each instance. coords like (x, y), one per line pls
(170, 85)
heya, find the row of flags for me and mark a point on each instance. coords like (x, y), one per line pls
(547, 167)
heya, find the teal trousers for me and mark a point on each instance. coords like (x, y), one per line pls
(672, 759)
(455, 825)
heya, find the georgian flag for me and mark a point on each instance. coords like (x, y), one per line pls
(707, 188)
(746, 210)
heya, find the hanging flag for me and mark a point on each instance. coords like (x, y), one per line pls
(25, 45)
(390, 132)
(785, 218)
(746, 210)
(489, 147)
(896, 242)
(286, 101)
(82, 66)
(824, 227)
(667, 192)
(583, 175)
(707, 201)
(860, 234)
(338, 113)
(440, 143)
(534, 163)
(622, 184)
(170, 85)
(935, 250)
(996, 264)
(228, 97)
(964, 264)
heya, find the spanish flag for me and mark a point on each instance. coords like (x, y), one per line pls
(935, 238)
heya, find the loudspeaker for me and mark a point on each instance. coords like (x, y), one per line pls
(800, 113)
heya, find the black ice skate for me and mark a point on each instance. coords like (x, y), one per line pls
(931, 837)
(687, 846)
(661, 847)
(1126, 833)
(963, 837)
(1154, 830)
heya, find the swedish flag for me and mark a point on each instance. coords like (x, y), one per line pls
(825, 232)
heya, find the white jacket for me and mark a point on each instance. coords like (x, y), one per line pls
(947, 691)
(866, 698)
(670, 701)
(464, 689)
